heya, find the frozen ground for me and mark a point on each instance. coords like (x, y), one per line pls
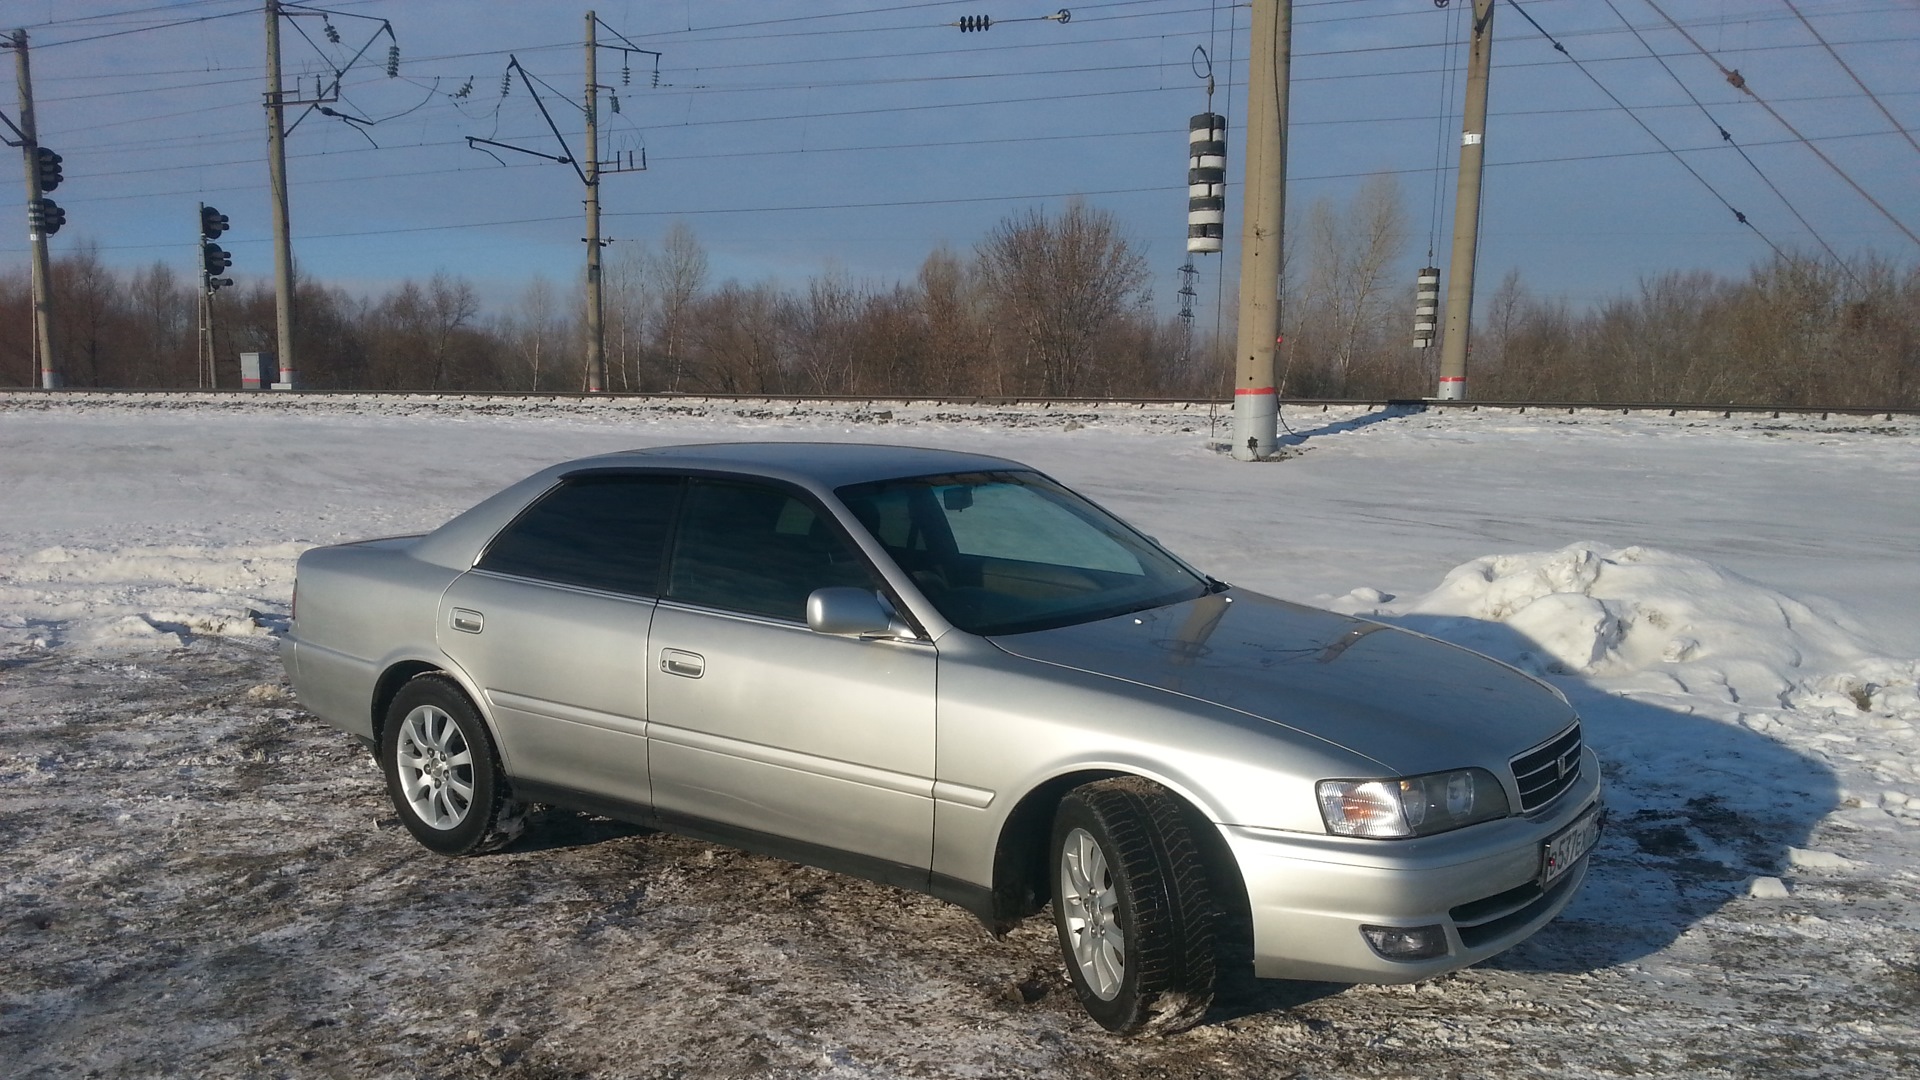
(197, 878)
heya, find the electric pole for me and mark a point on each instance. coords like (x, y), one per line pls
(1466, 209)
(590, 174)
(1256, 402)
(277, 172)
(37, 226)
(205, 308)
(588, 167)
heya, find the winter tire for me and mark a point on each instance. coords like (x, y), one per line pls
(442, 772)
(1131, 903)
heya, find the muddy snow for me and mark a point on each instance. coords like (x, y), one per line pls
(198, 878)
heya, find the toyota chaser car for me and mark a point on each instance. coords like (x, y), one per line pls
(948, 672)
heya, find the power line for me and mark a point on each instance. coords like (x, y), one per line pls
(1739, 82)
(1727, 138)
(145, 29)
(1844, 66)
(1562, 49)
(1021, 197)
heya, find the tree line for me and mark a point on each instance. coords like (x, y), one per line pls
(1053, 304)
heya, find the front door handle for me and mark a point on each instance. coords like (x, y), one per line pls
(686, 664)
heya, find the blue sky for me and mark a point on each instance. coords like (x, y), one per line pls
(856, 135)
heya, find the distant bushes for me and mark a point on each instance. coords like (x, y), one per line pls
(1051, 305)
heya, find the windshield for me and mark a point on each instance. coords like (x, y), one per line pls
(1010, 552)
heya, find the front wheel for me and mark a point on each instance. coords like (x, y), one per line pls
(442, 773)
(1131, 903)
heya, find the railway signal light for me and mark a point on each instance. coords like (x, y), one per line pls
(47, 163)
(212, 223)
(214, 258)
(45, 217)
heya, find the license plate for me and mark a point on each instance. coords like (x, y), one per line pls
(1569, 845)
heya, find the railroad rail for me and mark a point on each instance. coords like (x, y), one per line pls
(1727, 411)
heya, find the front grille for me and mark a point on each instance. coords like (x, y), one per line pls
(1548, 769)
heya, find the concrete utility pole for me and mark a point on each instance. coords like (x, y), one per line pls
(36, 234)
(1256, 404)
(1466, 209)
(596, 307)
(277, 171)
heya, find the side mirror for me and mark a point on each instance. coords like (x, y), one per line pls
(849, 612)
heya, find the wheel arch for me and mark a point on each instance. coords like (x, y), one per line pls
(402, 672)
(1021, 885)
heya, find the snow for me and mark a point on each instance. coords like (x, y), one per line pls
(1730, 602)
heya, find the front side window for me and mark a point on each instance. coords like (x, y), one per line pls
(1009, 552)
(597, 532)
(758, 550)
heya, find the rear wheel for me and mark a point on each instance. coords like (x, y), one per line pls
(1131, 903)
(442, 773)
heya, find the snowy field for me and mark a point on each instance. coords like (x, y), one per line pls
(198, 878)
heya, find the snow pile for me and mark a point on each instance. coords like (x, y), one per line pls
(1645, 640)
(1585, 610)
(106, 600)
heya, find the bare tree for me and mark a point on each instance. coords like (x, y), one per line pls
(676, 275)
(628, 311)
(1352, 251)
(734, 341)
(1060, 282)
(958, 340)
(164, 312)
(451, 305)
(822, 327)
(537, 332)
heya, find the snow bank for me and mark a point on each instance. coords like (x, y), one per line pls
(106, 600)
(1651, 642)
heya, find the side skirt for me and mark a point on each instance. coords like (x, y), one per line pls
(974, 898)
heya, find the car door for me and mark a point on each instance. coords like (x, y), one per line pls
(551, 624)
(766, 729)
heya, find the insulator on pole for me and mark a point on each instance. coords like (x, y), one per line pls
(1206, 182)
(1426, 306)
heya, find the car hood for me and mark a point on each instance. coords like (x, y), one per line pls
(1410, 702)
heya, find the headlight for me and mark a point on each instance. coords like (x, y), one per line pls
(1415, 806)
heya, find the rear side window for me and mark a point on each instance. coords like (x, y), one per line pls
(599, 532)
(758, 550)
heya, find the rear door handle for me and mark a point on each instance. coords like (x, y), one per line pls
(676, 662)
(467, 621)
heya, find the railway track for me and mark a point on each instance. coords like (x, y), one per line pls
(1701, 409)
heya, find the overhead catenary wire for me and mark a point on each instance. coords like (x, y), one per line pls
(817, 149)
(1727, 138)
(730, 210)
(1448, 76)
(1739, 82)
(1695, 173)
(1851, 74)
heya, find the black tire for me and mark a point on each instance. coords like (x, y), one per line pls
(1132, 907)
(442, 772)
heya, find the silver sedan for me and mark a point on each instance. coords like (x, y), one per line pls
(948, 672)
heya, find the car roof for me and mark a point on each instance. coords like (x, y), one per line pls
(819, 464)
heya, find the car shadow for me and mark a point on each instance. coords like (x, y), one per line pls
(1697, 809)
(550, 828)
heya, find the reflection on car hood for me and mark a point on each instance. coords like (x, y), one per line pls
(1408, 701)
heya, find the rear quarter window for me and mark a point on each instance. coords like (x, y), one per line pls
(597, 532)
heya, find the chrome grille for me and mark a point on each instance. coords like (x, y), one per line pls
(1548, 769)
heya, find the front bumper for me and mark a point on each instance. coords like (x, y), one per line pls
(1310, 895)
